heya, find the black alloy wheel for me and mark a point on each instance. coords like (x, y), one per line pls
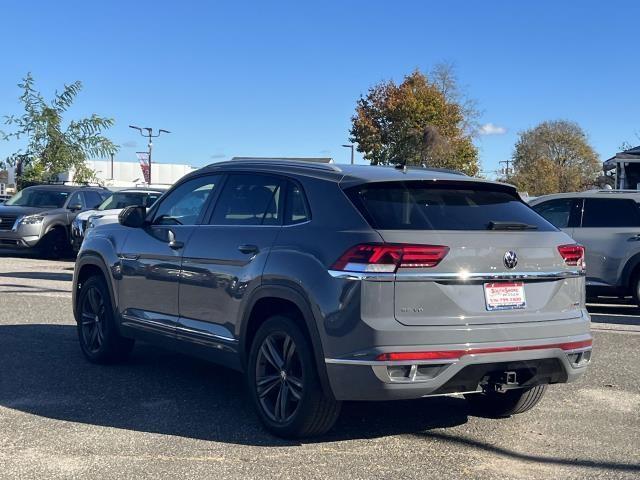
(100, 340)
(279, 377)
(284, 383)
(93, 319)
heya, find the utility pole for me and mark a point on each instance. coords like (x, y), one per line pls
(507, 169)
(149, 135)
(350, 145)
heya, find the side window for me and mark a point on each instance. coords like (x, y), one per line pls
(151, 199)
(76, 199)
(93, 199)
(297, 210)
(611, 213)
(184, 205)
(556, 212)
(249, 200)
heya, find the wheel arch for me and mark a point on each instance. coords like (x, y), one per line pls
(270, 300)
(87, 266)
(631, 267)
(58, 224)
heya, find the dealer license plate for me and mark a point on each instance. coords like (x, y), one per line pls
(504, 296)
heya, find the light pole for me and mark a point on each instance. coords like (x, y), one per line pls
(350, 145)
(149, 135)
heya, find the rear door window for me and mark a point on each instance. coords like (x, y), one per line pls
(556, 212)
(610, 213)
(249, 200)
(424, 206)
(297, 210)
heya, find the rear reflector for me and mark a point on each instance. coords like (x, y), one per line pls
(573, 255)
(456, 354)
(389, 257)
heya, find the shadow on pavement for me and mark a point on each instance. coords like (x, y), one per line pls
(570, 462)
(42, 372)
(59, 276)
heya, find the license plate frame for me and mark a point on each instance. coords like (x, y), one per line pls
(500, 296)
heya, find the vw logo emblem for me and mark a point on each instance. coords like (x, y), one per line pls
(510, 259)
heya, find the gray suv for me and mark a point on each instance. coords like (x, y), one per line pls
(607, 223)
(40, 216)
(327, 283)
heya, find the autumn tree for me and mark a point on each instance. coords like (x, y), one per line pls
(554, 156)
(422, 121)
(52, 145)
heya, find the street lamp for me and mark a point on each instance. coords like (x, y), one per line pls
(149, 134)
(350, 145)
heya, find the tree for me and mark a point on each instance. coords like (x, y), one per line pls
(554, 156)
(52, 146)
(423, 121)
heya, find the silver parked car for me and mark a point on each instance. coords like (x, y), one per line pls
(325, 283)
(39, 217)
(607, 223)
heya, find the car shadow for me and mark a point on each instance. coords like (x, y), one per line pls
(56, 276)
(42, 372)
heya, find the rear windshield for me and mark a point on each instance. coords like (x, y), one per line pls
(424, 206)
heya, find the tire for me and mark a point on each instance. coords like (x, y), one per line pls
(635, 289)
(511, 402)
(281, 372)
(54, 244)
(100, 340)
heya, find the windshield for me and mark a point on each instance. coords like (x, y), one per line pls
(120, 200)
(38, 197)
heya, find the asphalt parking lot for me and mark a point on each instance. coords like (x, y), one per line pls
(166, 415)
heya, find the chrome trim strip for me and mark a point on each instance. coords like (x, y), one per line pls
(131, 321)
(199, 333)
(376, 277)
(176, 328)
(455, 277)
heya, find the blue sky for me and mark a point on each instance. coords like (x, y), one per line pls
(282, 78)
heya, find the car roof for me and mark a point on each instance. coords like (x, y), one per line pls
(624, 194)
(139, 190)
(344, 174)
(63, 188)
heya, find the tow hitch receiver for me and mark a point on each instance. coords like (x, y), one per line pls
(502, 383)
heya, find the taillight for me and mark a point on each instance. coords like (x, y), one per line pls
(573, 255)
(389, 257)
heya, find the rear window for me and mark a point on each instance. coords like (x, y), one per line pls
(424, 206)
(610, 213)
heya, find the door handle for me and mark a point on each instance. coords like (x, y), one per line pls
(249, 249)
(173, 243)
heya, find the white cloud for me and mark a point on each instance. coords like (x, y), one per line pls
(491, 129)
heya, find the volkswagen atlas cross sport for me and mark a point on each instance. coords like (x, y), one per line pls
(325, 283)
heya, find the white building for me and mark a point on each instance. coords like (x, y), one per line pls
(128, 174)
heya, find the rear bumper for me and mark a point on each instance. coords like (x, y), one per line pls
(361, 377)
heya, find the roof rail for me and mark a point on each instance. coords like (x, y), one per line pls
(401, 166)
(315, 164)
(606, 190)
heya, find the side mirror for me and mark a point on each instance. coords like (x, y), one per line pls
(75, 207)
(134, 216)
